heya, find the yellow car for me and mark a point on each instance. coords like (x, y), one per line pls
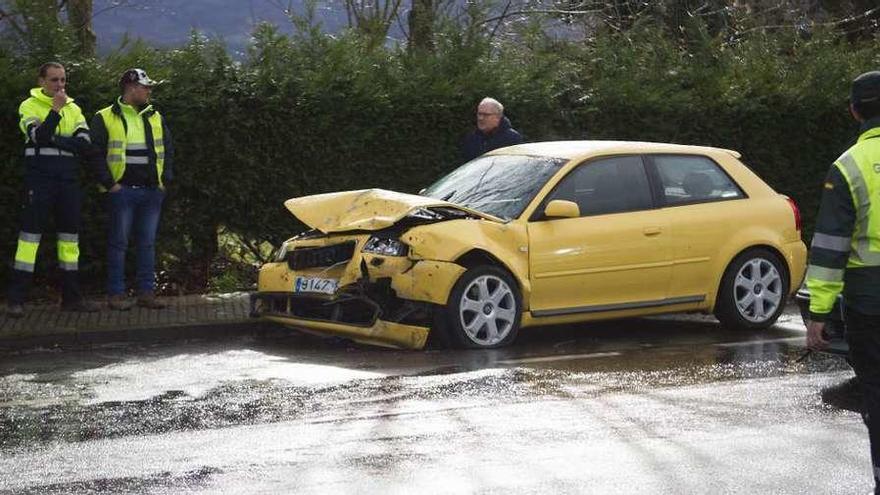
(539, 234)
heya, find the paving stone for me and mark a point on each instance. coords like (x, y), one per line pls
(47, 320)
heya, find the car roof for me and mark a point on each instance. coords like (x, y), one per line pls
(583, 149)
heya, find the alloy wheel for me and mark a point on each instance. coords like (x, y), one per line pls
(758, 290)
(487, 310)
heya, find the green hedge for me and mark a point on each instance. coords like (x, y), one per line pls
(307, 115)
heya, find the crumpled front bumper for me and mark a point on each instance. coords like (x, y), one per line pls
(280, 308)
(381, 300)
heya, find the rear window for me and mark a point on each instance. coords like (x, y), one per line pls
(687, 179)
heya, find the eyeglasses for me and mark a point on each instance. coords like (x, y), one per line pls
(486, 114)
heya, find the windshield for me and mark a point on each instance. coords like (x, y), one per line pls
(500, 185)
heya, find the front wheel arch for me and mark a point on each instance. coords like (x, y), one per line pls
(479, 257)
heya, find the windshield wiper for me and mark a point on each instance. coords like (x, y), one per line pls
(451, 194)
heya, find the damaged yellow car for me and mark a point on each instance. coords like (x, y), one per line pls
(539, 234)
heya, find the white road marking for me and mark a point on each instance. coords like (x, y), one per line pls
(563, 357)
(756, 342)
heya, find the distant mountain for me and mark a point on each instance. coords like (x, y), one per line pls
(170, 22)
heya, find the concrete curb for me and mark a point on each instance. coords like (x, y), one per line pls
(186, 317)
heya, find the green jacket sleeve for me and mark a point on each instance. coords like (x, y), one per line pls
(37, 130)
(832, 241)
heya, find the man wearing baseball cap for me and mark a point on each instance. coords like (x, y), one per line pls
(134, 138)
(845, 254)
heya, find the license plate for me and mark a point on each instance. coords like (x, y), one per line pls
(316, 284)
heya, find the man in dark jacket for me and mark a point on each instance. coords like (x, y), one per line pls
(493, 131)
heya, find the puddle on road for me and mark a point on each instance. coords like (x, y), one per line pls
(26, 390)
(196, 374)
(134, 393)
(247, 395)
(190, 481)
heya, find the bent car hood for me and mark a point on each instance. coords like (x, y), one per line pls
(367, 209)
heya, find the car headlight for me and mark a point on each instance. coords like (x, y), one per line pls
(281, 253)
(385, 247)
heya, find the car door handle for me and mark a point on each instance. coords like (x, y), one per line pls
(650, 231)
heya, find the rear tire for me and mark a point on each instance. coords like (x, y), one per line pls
(753, 291)
(483, 311)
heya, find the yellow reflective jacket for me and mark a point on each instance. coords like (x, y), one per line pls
(52, 139)
(128, 144)
(845, 252)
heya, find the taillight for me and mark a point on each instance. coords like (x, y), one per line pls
(797, 213)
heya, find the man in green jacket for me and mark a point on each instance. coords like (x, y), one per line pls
(845, 254)
(56, 137)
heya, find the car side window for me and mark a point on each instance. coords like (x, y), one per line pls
(609, 185)
(693, 179)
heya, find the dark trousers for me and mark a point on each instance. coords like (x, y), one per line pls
(863, 337)
(45, 197)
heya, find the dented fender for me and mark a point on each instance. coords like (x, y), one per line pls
(505, 242)
(428, 281)
(417, 280)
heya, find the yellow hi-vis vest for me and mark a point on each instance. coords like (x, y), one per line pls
(117, 139)
(860, 166)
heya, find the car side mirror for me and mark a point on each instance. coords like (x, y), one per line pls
(560, 208)
(422, 190)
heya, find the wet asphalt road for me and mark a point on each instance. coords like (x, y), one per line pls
(672, 405)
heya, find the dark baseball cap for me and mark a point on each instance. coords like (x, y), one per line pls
(866, 88)
(138, 76)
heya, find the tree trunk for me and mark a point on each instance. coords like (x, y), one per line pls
(79, 13)
(421, 25)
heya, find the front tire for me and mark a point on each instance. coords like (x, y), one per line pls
(753, 291)
(483, 310)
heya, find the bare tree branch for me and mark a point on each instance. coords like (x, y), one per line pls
(538, 11)
(372, 18)
(113, 5)
(863, 15)
(501, 19)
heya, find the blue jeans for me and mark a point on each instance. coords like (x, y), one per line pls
(135, 208)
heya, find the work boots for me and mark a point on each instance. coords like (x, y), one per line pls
(118, 302)
(149, 300)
